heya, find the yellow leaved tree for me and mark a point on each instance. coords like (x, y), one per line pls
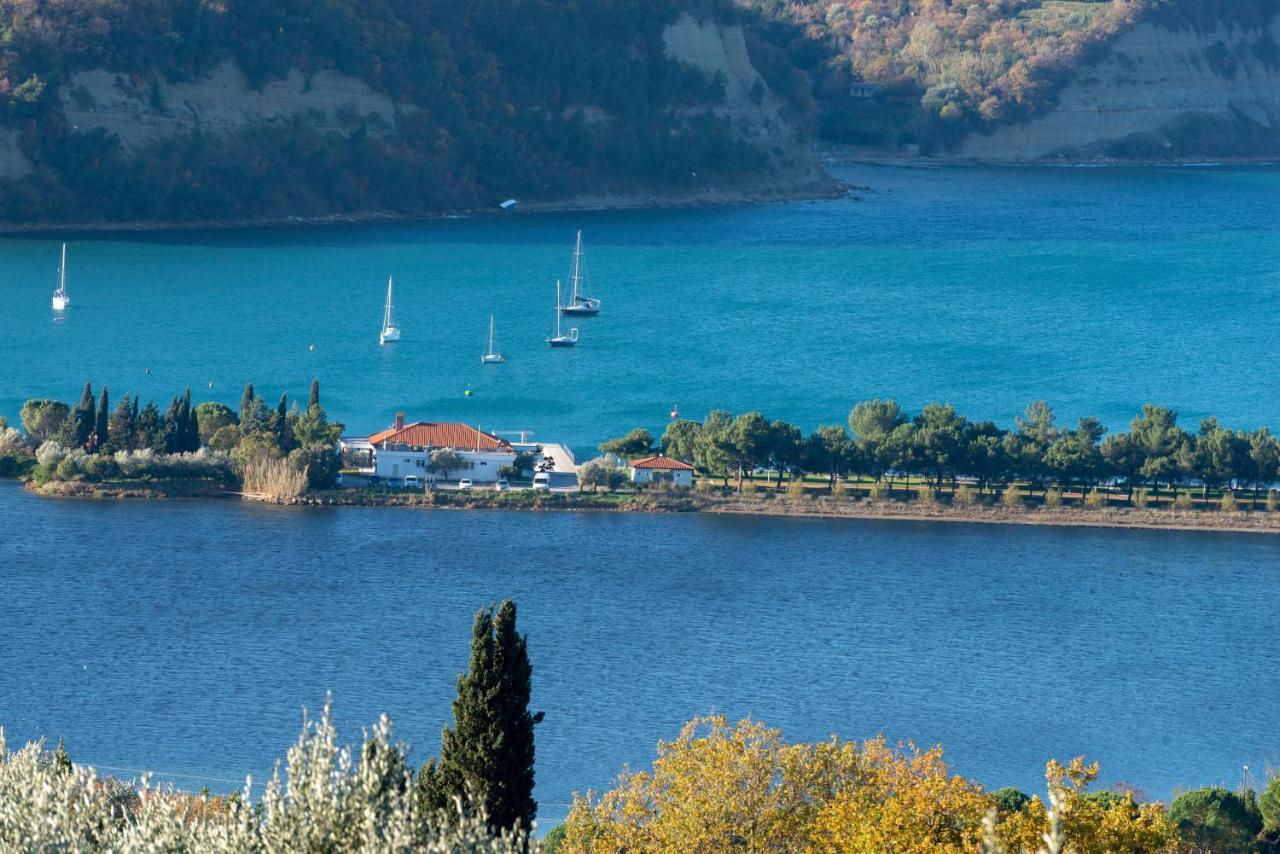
(722, 788)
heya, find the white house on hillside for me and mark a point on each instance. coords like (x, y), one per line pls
(661, 469)
(405, 449)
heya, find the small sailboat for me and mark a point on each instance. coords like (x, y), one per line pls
(491, 356)
(581, 303)
(560, 339)
(390, 332)
(60, 298)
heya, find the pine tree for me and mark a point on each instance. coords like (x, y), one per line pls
(314, 400)
(101, 428)
(149, 428)
(486, 759)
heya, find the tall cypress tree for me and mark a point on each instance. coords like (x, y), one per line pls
(85, 418)
(101, 430)
(486, 758)
(174, 426)
(314, 399)
(120, 426)
(279, 420)
(246, 402)
(190, 426)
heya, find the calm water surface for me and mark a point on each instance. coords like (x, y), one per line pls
(1098, 289)
(184, 637)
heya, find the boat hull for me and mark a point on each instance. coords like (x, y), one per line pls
(579, 311)
(493, 359)
(60, 303)
(562, 341)
(389, 334)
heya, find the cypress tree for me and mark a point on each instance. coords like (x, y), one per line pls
(486, 759)
(174, 427)
(190, 426)
(279, 420)
(246, 403)
(149, 428)
(121, 424)
(84, 418)
(101, 429)
(314, 400)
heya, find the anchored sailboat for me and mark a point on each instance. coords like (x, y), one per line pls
(559, 339)
(581, 303)
(390, 332)
(60, 298)
(491, 356)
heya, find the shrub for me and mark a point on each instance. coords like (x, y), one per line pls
(1011, 497)
(100, 468)
(67, 469)
(319, 462)
(878, 492)
(1053, 498)
(796, 488)
(838, 490)
(1140, 499)
(965, 496)
(1096, 499)
(333, 799)
(1183, 501)
(1215, 820)
(927, 497)
(1228, 503)
(13, 442)
(16, 465)
(704, 485)
(748, 487)
(1273, 501)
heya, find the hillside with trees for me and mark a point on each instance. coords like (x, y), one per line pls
(494, 98)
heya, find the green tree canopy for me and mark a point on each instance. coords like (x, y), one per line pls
(637, 443)
(43, 418)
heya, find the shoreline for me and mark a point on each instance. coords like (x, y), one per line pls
(762, 505)
(823, 189)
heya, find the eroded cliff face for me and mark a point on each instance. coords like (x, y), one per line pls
(753, 108)
(221, 101)
(1151, 81)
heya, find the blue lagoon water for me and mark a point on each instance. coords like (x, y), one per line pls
(1097, 289)
(184, 637)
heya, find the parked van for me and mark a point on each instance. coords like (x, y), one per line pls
(542, 482)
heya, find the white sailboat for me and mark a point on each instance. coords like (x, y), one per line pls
(491, 356)
(60, 298)
(390, 331)
(581, 303)
(560, 339)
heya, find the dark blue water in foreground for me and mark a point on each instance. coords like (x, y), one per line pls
(184, 637)
(1097, 289)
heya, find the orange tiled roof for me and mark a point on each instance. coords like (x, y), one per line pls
(441, 435)
(660, 462)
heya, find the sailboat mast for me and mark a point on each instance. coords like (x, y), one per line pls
(386, 312)
(557, 308)
(491, 335)
(576, 273)
(62, 271)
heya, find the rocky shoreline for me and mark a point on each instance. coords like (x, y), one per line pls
(757, 504)
(751, 194)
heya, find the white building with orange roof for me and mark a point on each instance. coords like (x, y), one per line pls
(405, 449)
(661, 469)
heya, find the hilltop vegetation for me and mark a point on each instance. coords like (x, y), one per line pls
(946, 68)
(496, 98)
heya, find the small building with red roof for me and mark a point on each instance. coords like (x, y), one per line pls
(405, 449)
(661, 469)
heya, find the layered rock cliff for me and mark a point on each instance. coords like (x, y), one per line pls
(1158, 93)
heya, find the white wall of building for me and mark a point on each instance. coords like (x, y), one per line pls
(479, 466)
(678, 477)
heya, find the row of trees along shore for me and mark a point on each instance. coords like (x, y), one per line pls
(944, 451)
(717, 787)
(281, 447)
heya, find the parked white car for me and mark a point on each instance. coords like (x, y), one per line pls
(502, 485)
(465, 483)
(411, 481)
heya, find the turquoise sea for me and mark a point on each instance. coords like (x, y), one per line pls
(184, 637)
(1097, 289)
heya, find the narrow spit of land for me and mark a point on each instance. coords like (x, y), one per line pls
(749, 504)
